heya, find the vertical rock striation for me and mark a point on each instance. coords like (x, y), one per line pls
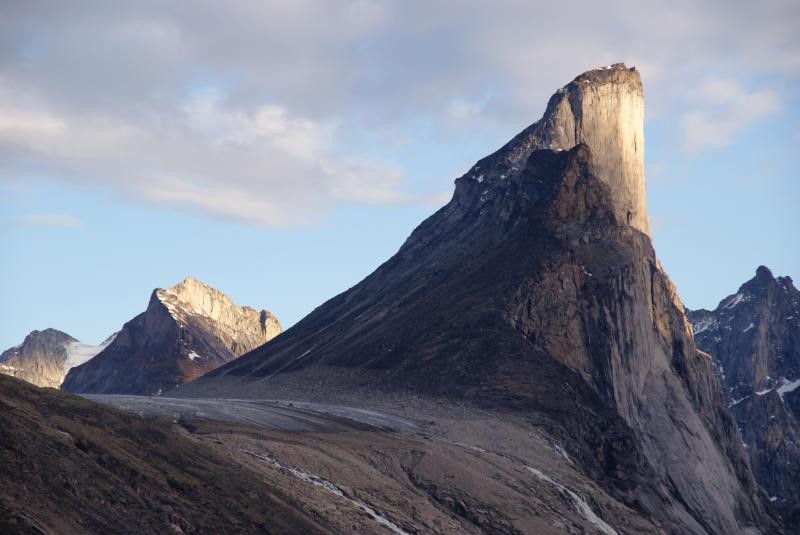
(186, 331)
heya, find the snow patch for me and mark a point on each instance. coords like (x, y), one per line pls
(748, 327)
(788, 386)
(735, 300)
(737, 401)
(78, 352)
(580, 504)
(703, 325)
(193, 356)
(331, 488)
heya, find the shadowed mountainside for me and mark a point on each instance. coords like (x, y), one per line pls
(68, 465)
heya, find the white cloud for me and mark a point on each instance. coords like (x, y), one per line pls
(270, 112)
(259, 166)
(720, 109)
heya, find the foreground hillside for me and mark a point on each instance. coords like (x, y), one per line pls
(68, 465)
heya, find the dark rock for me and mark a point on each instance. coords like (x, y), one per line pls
(754, 338)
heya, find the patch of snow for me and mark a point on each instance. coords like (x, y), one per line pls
(737, 401)
(471, 447)
(331, 488)
(735, 300)
(194, 356)
(748, 327)
(561, 451)
(762, 392)
(773, 498)
(788, 386)
(703, 325)
(78, 352)
(303, 355)
(580, 504)
(480, 179)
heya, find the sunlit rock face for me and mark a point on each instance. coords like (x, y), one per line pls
(241, 329)
(45, 357)
(603, 109)
(186, 331)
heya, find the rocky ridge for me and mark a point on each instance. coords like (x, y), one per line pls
(186, 331)
(754, 338)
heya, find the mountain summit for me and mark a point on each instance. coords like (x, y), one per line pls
(603, 109)
(45, 357)
(536, 292)
(186, 331)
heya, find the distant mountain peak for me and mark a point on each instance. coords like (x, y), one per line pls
(45, 357)
(186, 330)
(754, 338)
(763, 272)
(193, 297)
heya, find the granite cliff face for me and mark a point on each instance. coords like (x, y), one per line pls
(536, 292)
(754, 338)
(186, 331)
(45, 357)
(604, 109)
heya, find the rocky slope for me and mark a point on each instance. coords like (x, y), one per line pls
(45, 357)
(754, 338)
(71, 466)
(186, 331)
(536, 292)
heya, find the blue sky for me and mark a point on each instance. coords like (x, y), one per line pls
(280, 153)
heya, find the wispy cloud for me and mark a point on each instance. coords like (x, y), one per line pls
(48, 220)
(720, 109)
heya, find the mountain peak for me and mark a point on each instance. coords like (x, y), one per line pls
(764, 273)
(187, 330)
(603, 109)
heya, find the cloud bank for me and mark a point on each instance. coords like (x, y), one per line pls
(271, 112)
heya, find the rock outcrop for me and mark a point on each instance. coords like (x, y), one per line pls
(754, 338)
(536, 291)
(45, 357)
(604, 109)
(186, 331)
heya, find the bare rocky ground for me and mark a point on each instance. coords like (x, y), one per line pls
(433, 468)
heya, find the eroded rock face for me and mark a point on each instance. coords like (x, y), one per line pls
(754, 338)
(45, 357)
(536, 291)
(186, 331)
